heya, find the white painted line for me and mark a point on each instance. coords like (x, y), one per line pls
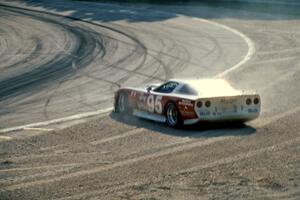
(5, 138)
(267, 121)
(49, 167)
(38, 129)
(242, 156)
(126, 134)
(247, 57)
(57, 121)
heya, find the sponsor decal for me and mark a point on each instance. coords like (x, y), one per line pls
(228, 100)
(133, 93)
(142, 98)
(253, 110)
(187, 112)
(185, 102)
(204, 113)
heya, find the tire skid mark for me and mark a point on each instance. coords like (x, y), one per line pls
(158, 58)
(8, 87)
(101, 54)
(282, 78)
(167, 70)
(11, 34)
(279, 55)
(47, 102)
(140, 51)
(162, 52)
(30, 54)
(138, 46)
(171, 51)
(251, 46)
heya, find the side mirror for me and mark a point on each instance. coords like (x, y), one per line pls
(149, 88)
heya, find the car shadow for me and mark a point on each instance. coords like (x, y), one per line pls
(196, 131)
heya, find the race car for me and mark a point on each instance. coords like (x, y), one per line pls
(179, 102)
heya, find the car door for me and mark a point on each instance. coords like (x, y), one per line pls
(153, 101)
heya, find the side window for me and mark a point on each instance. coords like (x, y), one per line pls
(167, 87)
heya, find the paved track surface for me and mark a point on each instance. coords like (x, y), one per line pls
(54, 66)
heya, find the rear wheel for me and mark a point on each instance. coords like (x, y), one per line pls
(173, 116)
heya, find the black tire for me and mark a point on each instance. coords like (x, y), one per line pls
(122, 104)
(173, 116)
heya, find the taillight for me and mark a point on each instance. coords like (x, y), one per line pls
(207, 103)
(199, 104)
(256, 101)
(248, 101)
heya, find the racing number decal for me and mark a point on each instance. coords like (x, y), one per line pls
(158, 105)
(150, 103)
(154, 104)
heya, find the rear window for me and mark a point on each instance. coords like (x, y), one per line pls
(207, 88)
(186, 89)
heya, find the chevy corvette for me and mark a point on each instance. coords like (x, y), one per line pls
(180, 102)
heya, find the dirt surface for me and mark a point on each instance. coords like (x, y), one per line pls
(136, 159)
(115, 157)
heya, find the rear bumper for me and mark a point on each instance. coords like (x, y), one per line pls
(223, 118)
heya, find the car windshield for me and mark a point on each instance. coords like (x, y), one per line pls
(167, 87)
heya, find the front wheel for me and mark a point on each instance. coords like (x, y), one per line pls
(173, 116)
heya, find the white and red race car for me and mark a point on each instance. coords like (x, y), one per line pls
(182, 102)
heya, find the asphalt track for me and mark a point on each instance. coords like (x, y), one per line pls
(95, 59)
(55, 66)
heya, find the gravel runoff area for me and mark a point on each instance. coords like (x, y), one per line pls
(115, 157)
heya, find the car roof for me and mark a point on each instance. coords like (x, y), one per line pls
(208, 87)
(214, 81)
